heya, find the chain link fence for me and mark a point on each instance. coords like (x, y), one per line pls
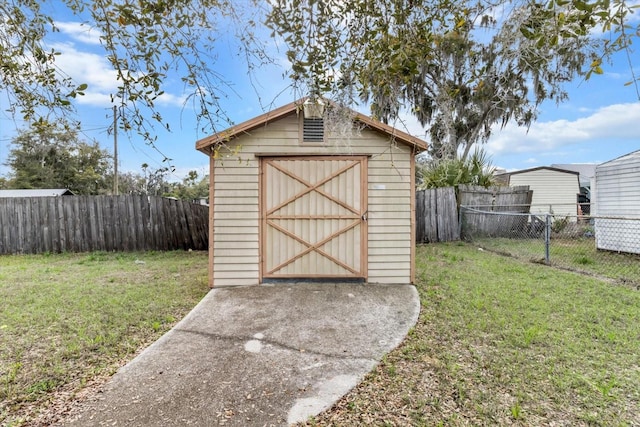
(602, 246)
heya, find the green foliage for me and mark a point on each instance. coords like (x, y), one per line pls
(457, 68)
(458, 71)
(476, 170)
(191, 188)
(559, 224)
(561, 19)
(29, 76)
(144, 41)
(516, 411)
(151, 182)
(49, 156)
(130, 183)
(154, 182)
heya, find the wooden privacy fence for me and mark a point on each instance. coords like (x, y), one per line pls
(516, 199)
(496, 199)
(437, 218)
(100, 223)
(436, 215)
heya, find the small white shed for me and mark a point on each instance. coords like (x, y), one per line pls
(554, 190)
(617, 203)
(291, 201)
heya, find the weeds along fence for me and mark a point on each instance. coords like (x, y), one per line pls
(100, 223)
(598, 245)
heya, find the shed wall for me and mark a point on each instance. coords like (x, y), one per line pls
(618, 186)
(236, 210)
(618, 195)
(551, 190)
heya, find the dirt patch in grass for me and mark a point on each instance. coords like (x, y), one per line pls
(504, 342)
(71, 320)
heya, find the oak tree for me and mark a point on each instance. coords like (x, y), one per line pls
(460, 67)
(48, 157)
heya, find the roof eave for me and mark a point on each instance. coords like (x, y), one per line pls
(542, 168)
(399, 135)
(206, 144)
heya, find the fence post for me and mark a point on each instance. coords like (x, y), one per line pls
(547, 238)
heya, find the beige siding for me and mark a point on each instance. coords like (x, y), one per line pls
(236, 243)
(552, 189)
(390, 237)
(236, 255)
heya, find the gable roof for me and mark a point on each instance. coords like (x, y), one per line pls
(587, 170)
(36, 192)
(541, 168)
(626, 158)
(204, 145)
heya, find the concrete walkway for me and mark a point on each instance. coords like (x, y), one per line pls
(256, 356)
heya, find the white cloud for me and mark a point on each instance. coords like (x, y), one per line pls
(86, 67)
(95, 99)
(94, 70)
(615, 76)
(556, 138)
(167, 99)
(618, 121)
(80, 32)
(634, 16)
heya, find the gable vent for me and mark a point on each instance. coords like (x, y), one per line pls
(313, 130)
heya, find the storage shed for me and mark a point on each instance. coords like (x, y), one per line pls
(554, 190)
(617, 204)
(291, 200)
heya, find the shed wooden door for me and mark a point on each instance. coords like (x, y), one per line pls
(314, 217)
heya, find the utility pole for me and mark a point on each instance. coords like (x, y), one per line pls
(115, 150)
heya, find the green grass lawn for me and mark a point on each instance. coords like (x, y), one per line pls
(577, 254)
(68, 319)
(501, 341)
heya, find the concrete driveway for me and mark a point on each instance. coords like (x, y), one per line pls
(255, 356)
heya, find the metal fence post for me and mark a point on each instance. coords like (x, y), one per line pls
(604, 246)
(547, 238)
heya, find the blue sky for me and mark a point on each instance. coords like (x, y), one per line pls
(599, 122)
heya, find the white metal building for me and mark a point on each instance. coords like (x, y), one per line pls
(617, 196)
